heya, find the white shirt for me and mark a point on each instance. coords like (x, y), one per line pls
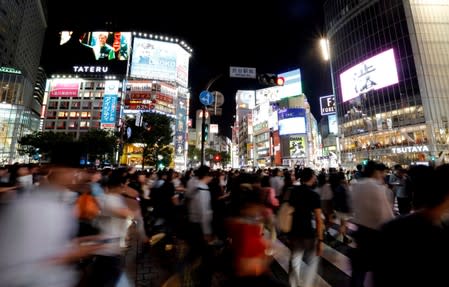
(370, 203)
(112, 226)
(34, 230)
(200, 210)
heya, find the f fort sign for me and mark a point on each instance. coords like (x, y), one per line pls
(409, 149)
(90, 69)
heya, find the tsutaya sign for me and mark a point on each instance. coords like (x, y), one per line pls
(90, 69)
(407, 149)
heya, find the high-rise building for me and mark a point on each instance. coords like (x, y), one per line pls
(390, 70)
(22, 30)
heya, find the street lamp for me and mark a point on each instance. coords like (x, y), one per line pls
(324, 44)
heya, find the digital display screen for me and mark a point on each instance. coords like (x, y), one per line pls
(374, 73)
(158, 60)
(292, 121)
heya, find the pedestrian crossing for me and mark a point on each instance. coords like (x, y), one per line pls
(335, 267)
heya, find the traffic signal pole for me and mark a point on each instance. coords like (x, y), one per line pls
(203, 133)
(203, 121)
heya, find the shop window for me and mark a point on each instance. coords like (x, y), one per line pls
(85, 114)
(61, 125)
(51, 114)
(73, 125)
(84, 124)
(49, 125)
(62, 115)
(64, 105)
(76, 105)
(86, 105)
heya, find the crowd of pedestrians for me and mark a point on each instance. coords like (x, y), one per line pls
(64, 226)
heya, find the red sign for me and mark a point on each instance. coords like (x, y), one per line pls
(144, 95)
(64, 89)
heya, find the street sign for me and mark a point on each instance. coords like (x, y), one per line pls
(219, 98)
(206, 98)
(242, 72)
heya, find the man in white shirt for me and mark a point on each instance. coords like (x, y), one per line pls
(371, 210)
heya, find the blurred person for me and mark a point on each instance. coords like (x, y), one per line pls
(200, 232)
(305, 241)
(341, 202)
(277, 182)
(413, 248)
(371, 210)
(37, 245)
(107, 266)
(251, 252)
(326, 196)
(397, 182)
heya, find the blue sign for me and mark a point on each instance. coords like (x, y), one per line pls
(291, 113)
(109, 109)
(206, 98)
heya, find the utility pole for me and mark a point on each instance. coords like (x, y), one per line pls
(203, 133)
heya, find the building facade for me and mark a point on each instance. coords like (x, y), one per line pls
(390, 74)
(116, 76)
(22, 32)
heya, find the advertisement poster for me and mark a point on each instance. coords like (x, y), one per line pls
(181, 127)
(182, 67)
(109, 109)
(372, 74)
(245, 99)
(292, 85)
(67, 88)
(159, 60)
(297, 147)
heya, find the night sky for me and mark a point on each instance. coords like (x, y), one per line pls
(272, 36)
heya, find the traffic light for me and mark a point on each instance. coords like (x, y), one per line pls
(217, 157)
(270, 80)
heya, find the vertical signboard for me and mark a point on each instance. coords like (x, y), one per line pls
(109, 109)
(181, 131)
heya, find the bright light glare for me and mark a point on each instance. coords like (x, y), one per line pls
(324, 44)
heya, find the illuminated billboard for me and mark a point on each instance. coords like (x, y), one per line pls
(374, 73)
(297, 147)
(64, 88)
(157, 60)
(292, 121)
(97, 52)
(268, 95)
(245, 99)
(292, 85)
(327, 105)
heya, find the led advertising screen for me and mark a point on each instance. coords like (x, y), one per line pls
(374, 73)
(292, 85)
(99, 52)
(157, 60)
(292, 121)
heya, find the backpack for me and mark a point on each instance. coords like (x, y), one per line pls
(285, 214)
(87, 207)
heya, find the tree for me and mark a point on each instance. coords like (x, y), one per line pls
(98, 143)
(225, 158)
(155, 134)
(193, 153)
(51, 145)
